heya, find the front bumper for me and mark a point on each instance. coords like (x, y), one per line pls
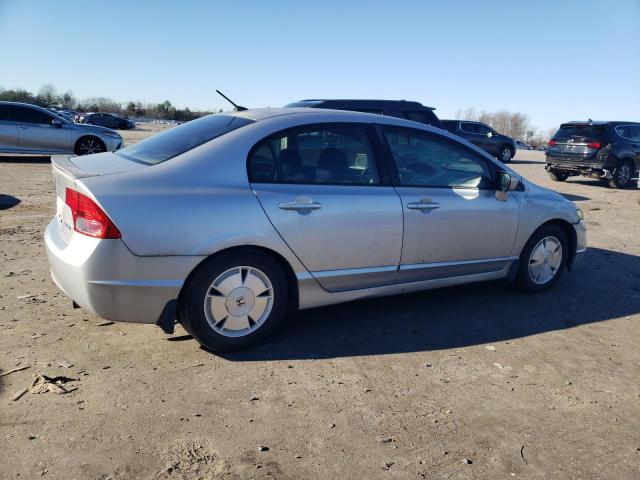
(581, 240)
(113, 144)
(104, 277)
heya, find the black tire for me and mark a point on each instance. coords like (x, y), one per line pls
(505, 154)
(622, 175)
(524, 280)
(191, 309)
(89, 145)
(558, 176)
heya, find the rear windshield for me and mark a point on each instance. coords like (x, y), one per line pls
(182, 138)
(580, 133)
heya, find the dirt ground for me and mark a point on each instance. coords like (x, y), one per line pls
(468, 382)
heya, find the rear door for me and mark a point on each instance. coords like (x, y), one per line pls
(324, 190)
(453, 223)
(8, 131)
(36, 133)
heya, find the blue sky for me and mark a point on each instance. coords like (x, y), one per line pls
(554, 60)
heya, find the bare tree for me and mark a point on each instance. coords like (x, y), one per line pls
(513, 124)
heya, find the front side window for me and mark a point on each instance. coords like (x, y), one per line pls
(469, 127)
(425, 160)
(483, 129)
(340, 154)
(178, 140)
(29, 115)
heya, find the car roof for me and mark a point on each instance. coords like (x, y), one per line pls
(359, 102)
(319, 115)
(597, 123)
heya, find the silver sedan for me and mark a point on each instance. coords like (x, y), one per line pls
(226, 222)
(28, 128)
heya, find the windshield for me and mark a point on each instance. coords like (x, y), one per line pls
(173, 142)
(580, 133)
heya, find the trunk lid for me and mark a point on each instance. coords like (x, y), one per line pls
(68, 170)
(581, 140)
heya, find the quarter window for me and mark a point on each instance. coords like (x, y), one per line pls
(320, 154)
(629, 132)
(425, 160)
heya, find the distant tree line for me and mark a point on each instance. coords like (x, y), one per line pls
(49, 97)
(514, 124)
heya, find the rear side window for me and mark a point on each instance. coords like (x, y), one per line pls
(29, 115)
(580, 133)
(182, 138)
(333, 155)
(423, 116)
(628, 132)
(425, 160)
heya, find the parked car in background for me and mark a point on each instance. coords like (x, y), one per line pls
(109, 120)
(541, 148)
(229, 220)
(414, 111)
(523, 146)
(28, 128)
(483, 136)
(606, 150)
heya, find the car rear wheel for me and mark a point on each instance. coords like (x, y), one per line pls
(543, 259)
(234, 301)
(89, 145)
(622, 175)
(558, 176)
(505, 155)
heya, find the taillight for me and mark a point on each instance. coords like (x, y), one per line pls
(594, 144)
(552, 143)
(88, 218)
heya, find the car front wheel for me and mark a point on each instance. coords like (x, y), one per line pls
(505, 155)
(234, 301)
(89, 145)
(543, 259)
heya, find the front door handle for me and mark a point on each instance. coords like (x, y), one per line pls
(423, 205)
(301, 204)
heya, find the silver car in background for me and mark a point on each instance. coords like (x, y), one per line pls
(227, 221)
(28, 128)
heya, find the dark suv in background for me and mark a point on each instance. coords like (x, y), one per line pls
(606, 150)
(414, 111)
(483, 136)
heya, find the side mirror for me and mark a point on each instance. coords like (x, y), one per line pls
(490, 134)
(507, 182)
(56, 123)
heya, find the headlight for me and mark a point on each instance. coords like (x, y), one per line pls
(109, 133)
(579, 214)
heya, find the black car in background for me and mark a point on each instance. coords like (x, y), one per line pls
(606, 150)
(109, 120)
(414, 111)
(483, 136)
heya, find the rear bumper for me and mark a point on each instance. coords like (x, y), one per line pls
(104, 277)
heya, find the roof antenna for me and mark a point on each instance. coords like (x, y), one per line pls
(237, 107)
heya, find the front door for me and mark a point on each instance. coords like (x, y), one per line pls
(453, 223)
(321, 187)
(37, 133)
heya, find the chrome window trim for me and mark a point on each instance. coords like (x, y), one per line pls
(627, 138)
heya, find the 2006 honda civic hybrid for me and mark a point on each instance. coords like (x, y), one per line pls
(227, 221)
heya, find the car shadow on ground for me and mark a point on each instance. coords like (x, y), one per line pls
(8, 201)
(459, 316)
(25, 158)
(574, 198)
(527, 162)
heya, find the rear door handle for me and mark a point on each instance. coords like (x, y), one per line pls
(423, 205)
(301, 204)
